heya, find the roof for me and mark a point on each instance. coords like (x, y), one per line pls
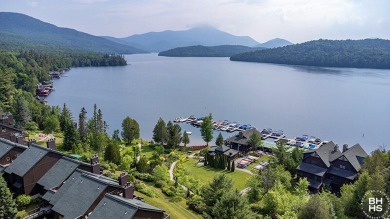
(342, 173)
(222, 148)
(58, 173)
(326, 152)
(27, 160)
(230, 152)
(6, 146)
(243, 136)
(355, 155)
(312, 169)
(1, 169)
(77, 195)
(314, 184)
(112, 206)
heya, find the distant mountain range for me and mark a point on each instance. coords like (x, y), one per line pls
(208, 51)
(19, 31)
(277, 42)
(205, 36)
(368, 53)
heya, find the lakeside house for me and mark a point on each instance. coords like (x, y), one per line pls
(69, 188)
(231, 154)
(240, 141)
(328, 166)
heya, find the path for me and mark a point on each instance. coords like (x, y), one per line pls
(171, 171)
(139, 154)
(244, 191)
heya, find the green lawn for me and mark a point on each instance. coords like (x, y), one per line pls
(147, 151)
(206, 174)
(177, 210)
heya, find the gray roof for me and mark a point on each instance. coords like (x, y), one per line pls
(77, 195)
(1, 169)
(326, 152)
(355, 155)
(222, 148)
(230, 152)
(245, 137)
(58, 173)
(342, 173)
(313, 169)
(6, 146)
(112, 206)
(314, 184)
(47, 196)
(27, 160)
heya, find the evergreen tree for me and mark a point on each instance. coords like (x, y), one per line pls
(130, 130)
(219, 141)
(7, 89)
(115, 136)
(83, 126)
(142, 165)
(160, 132)
(233, 166)
(206, 159)
(70, 135)
(315, 208)
(65, 116)
(51, 124)
(255, 140)
(112, 153)
(7, 203)
(185, 139)
(174, 132)
(99, 122)
(213, 191)
(22, 113)
(206, 129)
(228, 165)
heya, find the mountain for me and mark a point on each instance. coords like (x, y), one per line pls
(205, 36)
(207, 51)
(368, 53)
(19, 31)
(277, 42)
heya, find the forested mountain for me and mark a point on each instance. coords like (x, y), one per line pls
(205, 36)
(277, 42)
(368, 53)
(207, 51)
(21, 32)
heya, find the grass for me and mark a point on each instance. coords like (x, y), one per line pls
(206, 174)
(176, 210)
(59, 136)
(147, 151)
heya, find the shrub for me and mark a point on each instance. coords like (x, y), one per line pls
(141, 187)
(144, 176)
(196, 204)
(23, 200)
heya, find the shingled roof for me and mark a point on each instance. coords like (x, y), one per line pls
(6, 146)
(112, 206)
(243, 136)
(78, 193)
(26, 160)
(355, 155)
(327, 152)
(313, 169)
(58, 173)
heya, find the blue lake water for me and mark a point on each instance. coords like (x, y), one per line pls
(340, 104)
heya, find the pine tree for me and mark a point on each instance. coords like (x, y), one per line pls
(228, 165)
(205, 159)
(219, 141)
(112, 153)
(160, 132)
(83, 126)
(22, 111)
(65, 116)
(233, 166)
(185, 139)
(130, 130)
(70, 135)
(7, 203)
(174, 131)
(206, 129)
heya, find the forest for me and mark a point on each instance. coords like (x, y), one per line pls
(208, 51)
(368, 53)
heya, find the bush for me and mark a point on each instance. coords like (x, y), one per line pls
(196, 204)
(23, 200)
(169, 190)
(141, 187)
(144, 176)
(160, 183)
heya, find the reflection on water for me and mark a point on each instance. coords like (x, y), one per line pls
(317, 70)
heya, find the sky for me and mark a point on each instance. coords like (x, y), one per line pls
(295, 20)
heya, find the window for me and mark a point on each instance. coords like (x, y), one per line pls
(7, 159)
(342, 167)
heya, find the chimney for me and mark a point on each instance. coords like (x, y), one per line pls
(20, 139)
(13, 138)
(336, 147)
(30, 142)
(345, 148)
(10, 119)
(241, 135)
(95, 164)
(51, 144)
(128, 191)
(123, 179)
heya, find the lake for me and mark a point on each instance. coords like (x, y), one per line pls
(340, 104)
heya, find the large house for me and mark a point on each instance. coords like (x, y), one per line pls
(240, 141)
(328, 166)
(70, 188)
(231, 154)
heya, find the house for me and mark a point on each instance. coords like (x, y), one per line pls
(9, 151)
(328, 166)
(10, 131)
(112, 206)
(240, 141)
(231, 154)
(82, 192)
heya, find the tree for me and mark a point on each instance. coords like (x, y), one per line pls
(213, 191)
(65, 116)
(22, 113)
(206, 129)
(185, 139)
(281, 152)
(23, 200)
(142, 165)
(70, 135)
(160, 132)
(51, 124)
(115, 136)
(315, 208)
(174, 133)
(83, 126)
(7, 203)
(112, 153)
(130, 130)
(255, 140)
(232, 205)
(160, 173)
(233, 166)
(219, 141)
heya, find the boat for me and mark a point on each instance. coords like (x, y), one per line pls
(189, 133)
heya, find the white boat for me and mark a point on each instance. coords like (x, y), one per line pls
(189, 133)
